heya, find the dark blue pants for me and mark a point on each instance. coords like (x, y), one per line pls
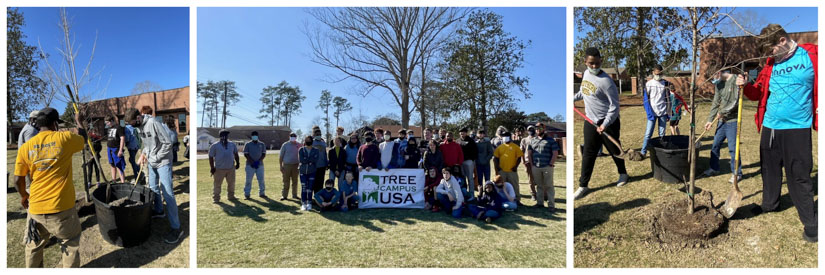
(448, 205)
(306, 187)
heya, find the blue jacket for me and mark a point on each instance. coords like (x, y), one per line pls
(308, 160)
(327, 196)
(492, 201)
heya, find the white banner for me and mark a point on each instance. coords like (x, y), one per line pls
(396, 188)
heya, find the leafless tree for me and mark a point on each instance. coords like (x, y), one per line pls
(379, 46)
(145, 87)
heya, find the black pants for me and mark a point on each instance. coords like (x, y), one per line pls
(792, 150)
(92, 166)
(593, 141)
(320, 176)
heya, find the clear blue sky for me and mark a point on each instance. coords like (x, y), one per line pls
(133, 45)
(793, 19)
(257, 47)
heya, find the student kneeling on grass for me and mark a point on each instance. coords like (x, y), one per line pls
(349, 192)
(328, 199)
(490, 204)
(505, 189)
(450, 195)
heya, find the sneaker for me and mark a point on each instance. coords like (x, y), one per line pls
(283, 198)
(158, 215)
(294, 197)
(710, 172)
(533, 197)
(581, 192)
(303, 207)
(552, 210)
(246, 197)
(309, 207)
(809, 238)
(488, 220)
(731, 179)
(622, 179)
(264, 197)
(173, 236)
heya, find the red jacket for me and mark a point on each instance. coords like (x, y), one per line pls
(452, 153)
(760, 90)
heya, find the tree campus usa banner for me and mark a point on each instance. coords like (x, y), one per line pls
(396, 188)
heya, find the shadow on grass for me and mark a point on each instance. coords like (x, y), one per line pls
(237, 209)
(589, 216)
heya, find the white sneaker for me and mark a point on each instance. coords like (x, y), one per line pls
(303, 207)
(622, 179)
(309, 206)
(581, 192)
(710, 172)
(731, 179)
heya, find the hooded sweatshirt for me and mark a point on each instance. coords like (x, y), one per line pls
(157, 144)
(387, 151)
(450, 186)
(659, 96)
(485, 151)
(601, 98)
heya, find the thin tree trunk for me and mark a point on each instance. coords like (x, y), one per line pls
(691, 147)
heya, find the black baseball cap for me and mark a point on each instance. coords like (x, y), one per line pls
(223, 131)
(48, 116)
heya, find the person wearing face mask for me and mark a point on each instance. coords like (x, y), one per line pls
(506, 159)
(469, 150)
(498, 139)
(541, 156)
(676, 112)
(309, 156)
(115, 144)
(433, 157)
(656, 97)
(349, 192)
(337, 157)
(389, 152)
(321, 168)
(254, 152)
(288, 164)
(442, 135)
(524, 144)
(412, 156)
(506, 191)
(431, 181)
(173, 134)
(352, 154)
(401, 148)
(223, 161)
(132, 145)
(328, 199)
(485, 153)
(157, 154)
(50, 202)
(601, 104)
(724, 109)
(786, 89)
(449, 194)
(369, 155)
(451, 151)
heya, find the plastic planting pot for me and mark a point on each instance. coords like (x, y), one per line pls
(124, 226)
(669, 158)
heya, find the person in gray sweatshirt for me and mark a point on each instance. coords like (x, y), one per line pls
(157, 152)
(657, 105)
(601, 104)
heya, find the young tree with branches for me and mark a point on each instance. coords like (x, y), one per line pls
(340, 105)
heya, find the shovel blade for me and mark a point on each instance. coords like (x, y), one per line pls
(732, 203)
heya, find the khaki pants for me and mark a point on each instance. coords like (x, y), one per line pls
(65, 226)
(543, 178)
(220, 174)
(290, 174)
(512, 178)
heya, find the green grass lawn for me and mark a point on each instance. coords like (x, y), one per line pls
(273, 233)
(610, 223)
(94, 251)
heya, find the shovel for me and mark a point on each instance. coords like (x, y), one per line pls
(624, 154)
(89, 143)
(735, 196)
(698, 139)
(136, 181)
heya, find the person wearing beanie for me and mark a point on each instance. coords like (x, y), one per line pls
(601, 105)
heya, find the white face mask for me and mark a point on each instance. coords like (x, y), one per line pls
(657, 77)
(255, 138)
(409, 136)
(435, 136)
(387, 137)
(594, 71)
(292, 139)
(506, 139)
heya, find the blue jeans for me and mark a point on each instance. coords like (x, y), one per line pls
(448, 205)
(475, 210)
(482, 173)
(340, 178)
(724, 130)
(649, 131)
(164, 175)
(132, 154)
(352, 202)
(258, 173)
(510, 205)
(306, 187)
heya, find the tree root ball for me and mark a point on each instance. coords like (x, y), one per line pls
(672, 224)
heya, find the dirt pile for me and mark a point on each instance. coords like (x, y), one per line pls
(125, 202)
(672, 227)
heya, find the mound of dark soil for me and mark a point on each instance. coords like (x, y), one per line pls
(672, 226)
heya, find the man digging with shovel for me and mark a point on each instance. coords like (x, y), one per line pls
(47, 159)
(786, 89)
(601, 103)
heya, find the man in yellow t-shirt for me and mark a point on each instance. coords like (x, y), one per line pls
(47, 158)
(506, 158)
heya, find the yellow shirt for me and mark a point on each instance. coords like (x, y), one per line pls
(47, 157)
(508, 154)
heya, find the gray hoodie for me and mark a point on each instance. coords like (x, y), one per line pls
(601, 98)
(157, 144)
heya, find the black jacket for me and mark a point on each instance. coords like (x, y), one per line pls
(337, 163)
(469, 148)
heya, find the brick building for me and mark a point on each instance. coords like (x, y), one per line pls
(174, 102)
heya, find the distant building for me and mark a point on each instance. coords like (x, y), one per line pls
(174, 102)
(272, 136)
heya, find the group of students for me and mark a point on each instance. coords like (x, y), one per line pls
(786, 91)
(446, 161)
(44, 160)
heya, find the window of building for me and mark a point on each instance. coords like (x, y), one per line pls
(182, 123)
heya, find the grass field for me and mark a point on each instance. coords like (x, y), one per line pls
(610, 223)
(94, 251)
(273, 233)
